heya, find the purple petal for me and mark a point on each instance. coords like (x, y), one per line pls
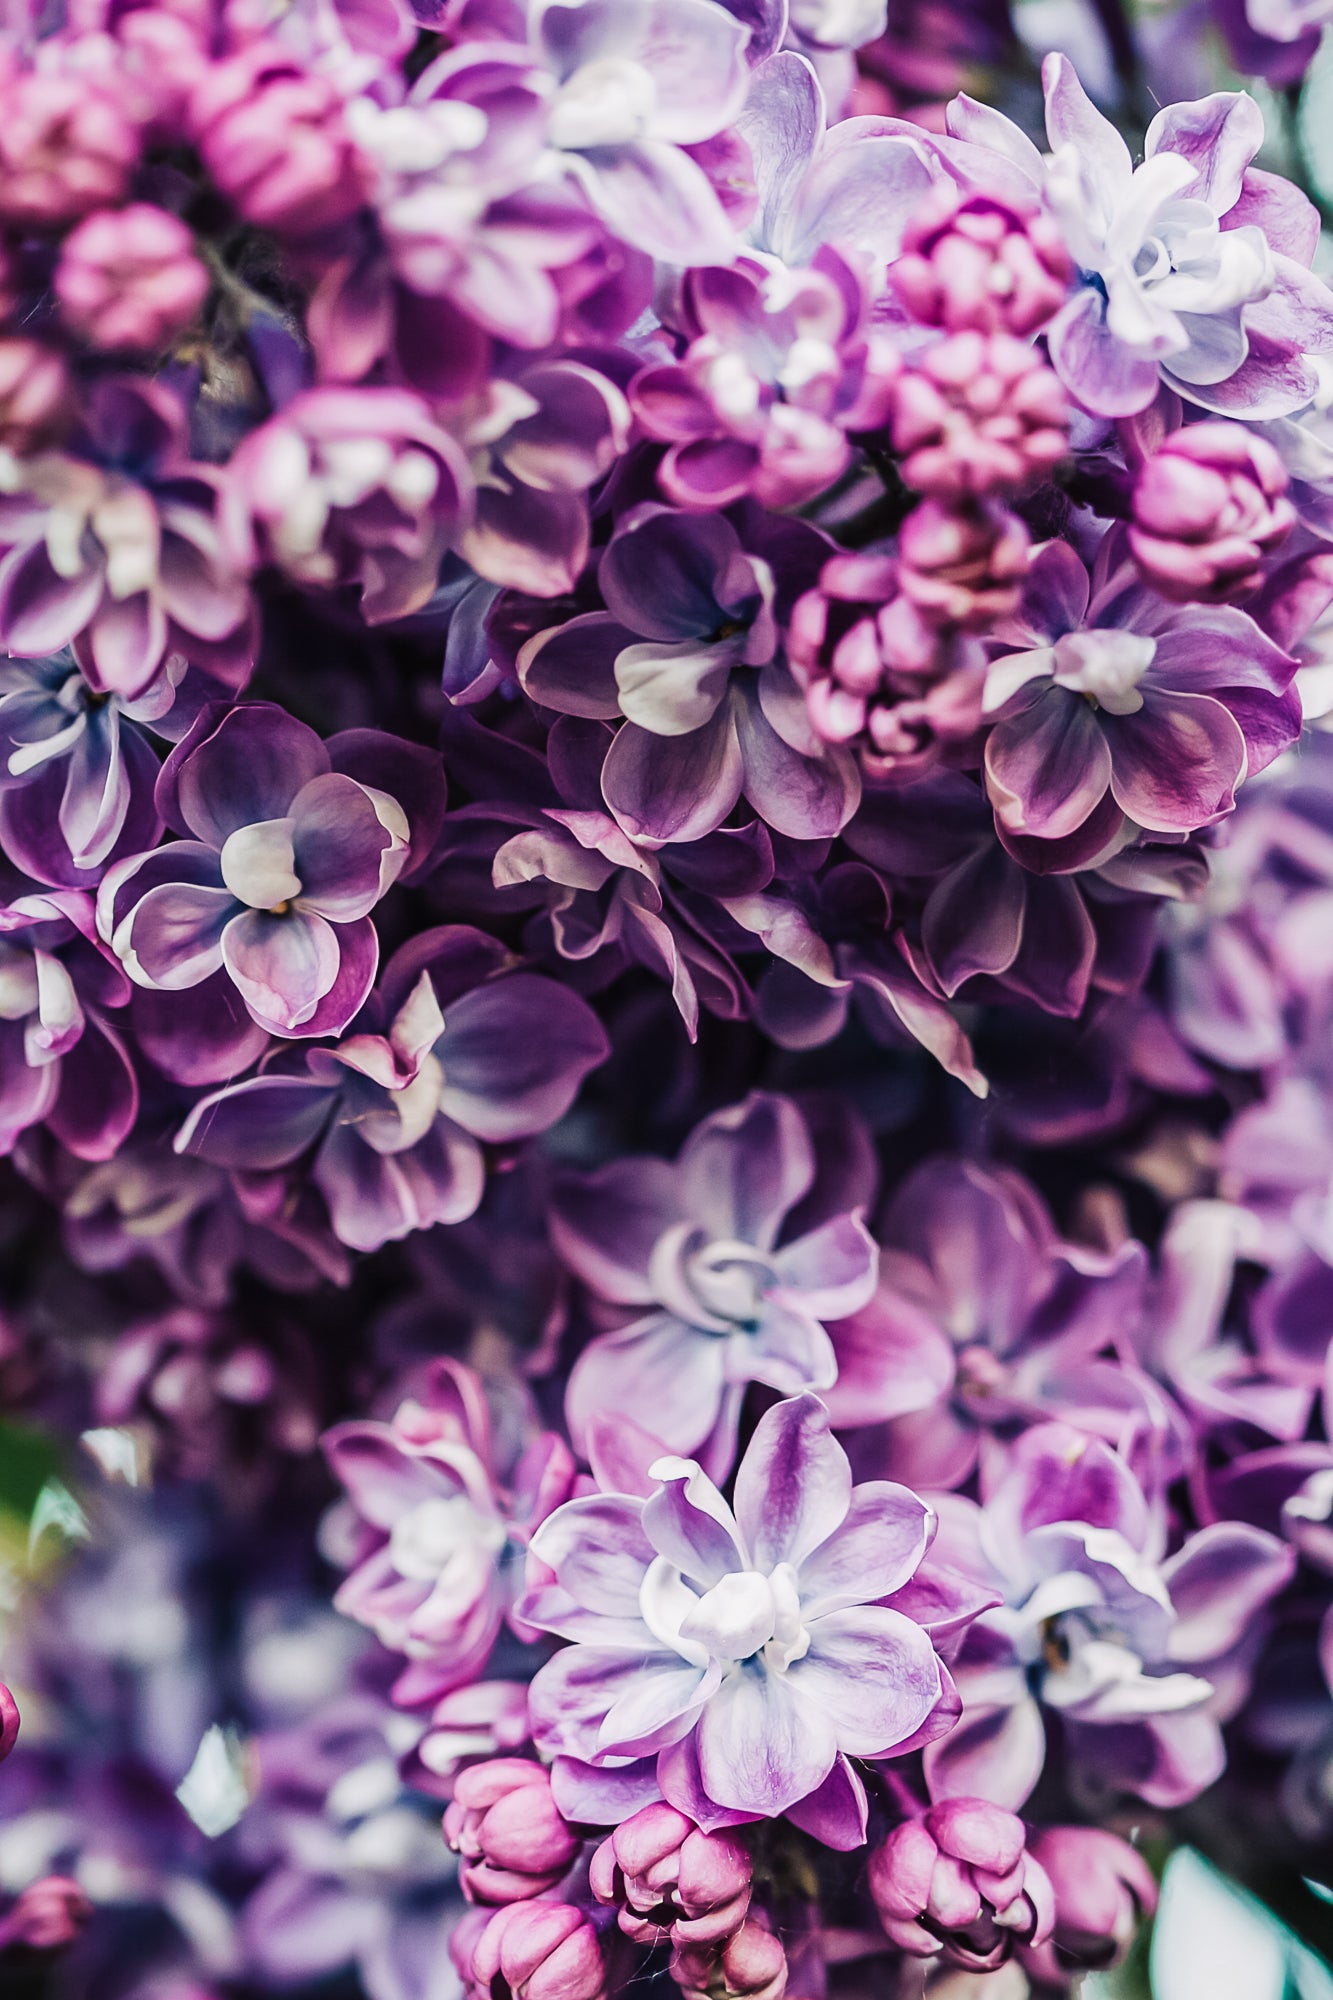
(1219, 1583)
(246, 765)
(173, 937)
(745, 1168)
(514, 1054)
(875, 1552)
(761, 1745)
(1175, 765)
(604, 1225)
(874, 1672)
(1220, 135)
(343, 845)
(833, 1270)
(674, 788)
(1049, 768)
(794, 1485)
(265, 1123)
(282, 965)
(660, 1372)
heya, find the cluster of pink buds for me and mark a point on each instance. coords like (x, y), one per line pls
(958, 1880)
(982, 264)
(532, 1950)
(978, 414)
(1207, 507)
(670, 1879)
(751, 1965)
(504, 1823)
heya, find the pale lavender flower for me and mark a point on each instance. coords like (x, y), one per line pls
(1097, 1628)
(751, 1653)
(442, 1499)
(714, 1295)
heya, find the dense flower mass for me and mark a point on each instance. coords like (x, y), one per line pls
(666, 1112)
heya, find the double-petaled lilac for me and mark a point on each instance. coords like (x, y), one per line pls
(281, 860)
(687, 652)
(62, 1063)
(749, 1655)
(713, 1291)
(1096, 1628)
(443, 1500)
(780, 366)
(1208, 506)
(350, 488)
(1123, 707)
(1193, 270)
(389, 1127)
(959, 1881)
(117, 543)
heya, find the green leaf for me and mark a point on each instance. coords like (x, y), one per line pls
(1212, 1939)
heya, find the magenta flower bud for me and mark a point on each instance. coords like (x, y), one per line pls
(504, 1823)
(983, 263)
(537, 1951)
(274, 138)
(672, 1878)
(963, 565)
(978, 414)
(9, 1722)
(65, 147)
(752, 1965)
(34, 393)
(128, 278)
(1208, 506)
(1103, 1890)
(959, 1880)
(47, 1915)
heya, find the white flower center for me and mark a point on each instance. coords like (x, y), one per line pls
(1106, 667)
(746, 1615)
(426, 1539)
(605, 103)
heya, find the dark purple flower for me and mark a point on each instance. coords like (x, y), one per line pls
(392, 1124)
(283, 858)
(693, 1255)
(687, 652)
(752, 1654)
(1124, 707)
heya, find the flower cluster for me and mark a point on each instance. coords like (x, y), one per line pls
(665, 1109)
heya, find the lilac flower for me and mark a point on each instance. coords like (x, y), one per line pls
(389, 1126)
(129, 279)
(505, 1824)
(272, 135)
(637, 83)
(119, 547)
(66, 146)
(537, 1950)
(687, 651)
(985, 1320)
(350, 488)
(441, 1506)
(1192, 272)
(751, 1653)
(779, 368)
(669, 1879)
(697, 1252)
(1209, 505)
(1125, 708)
(282, 860)
(961, 1878)
(63, 1064)
(1096, 1629)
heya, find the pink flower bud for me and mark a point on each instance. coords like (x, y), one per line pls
(274, 138)
(128, 278)
(670, 1877)
(984, 263)
(504, 1823)
(536, 1951)
(34, 393)
(752, 1965)
(65, 147)
(9, 1722)
(1208, 506)
(1103, 1890)
(959, 1880)
(47, 1916)
(978, 414)
(963, 565)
